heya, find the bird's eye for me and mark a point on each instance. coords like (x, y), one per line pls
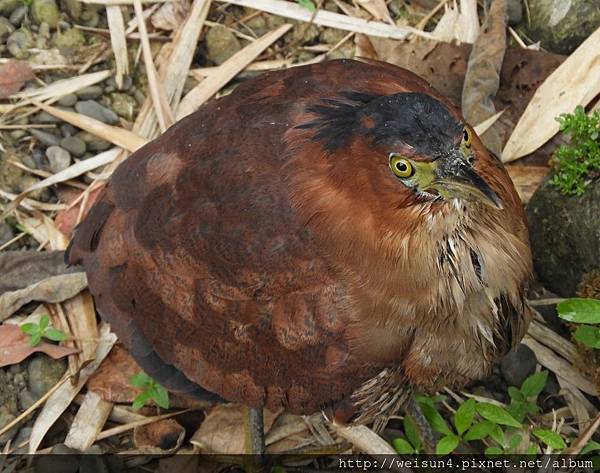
(467, 138)
(400, 166)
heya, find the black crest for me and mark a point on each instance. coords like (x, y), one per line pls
(416, 119)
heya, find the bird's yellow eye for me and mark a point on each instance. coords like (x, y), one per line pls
(400, 166)
(467, 137)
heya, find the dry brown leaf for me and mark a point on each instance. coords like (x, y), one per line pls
(527, 179)
(162, 437)
(574, 82)
(482, 79)
(88, 422)
(52, 289)
(15, 347)
(223, 429)
(13, 76)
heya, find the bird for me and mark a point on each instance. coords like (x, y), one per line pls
(330, 238)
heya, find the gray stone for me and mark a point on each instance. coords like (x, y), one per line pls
(74, 145)
(68, 100)
(515, 12)
(72, 7)
(45, 117)
(6, 418)
(565, 236)
(45, 11)
(69, 42)
(123, 105)
(93, 143)
(59, 158)
(23, 435)
(26, 400)
(90, 93)
(7, 6)
(44, 372)
(19, 42)
(18, 15)
(518, 364)
(93, 109)
(562, 25)
(45, 137)
(5, 28)
(221, 44)
(6, 232)
(67, 130)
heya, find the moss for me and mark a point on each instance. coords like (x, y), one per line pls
(577, 163)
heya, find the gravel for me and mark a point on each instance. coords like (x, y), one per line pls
(59, 158)
(93, 109)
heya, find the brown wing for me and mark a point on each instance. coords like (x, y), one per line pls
(198, 260)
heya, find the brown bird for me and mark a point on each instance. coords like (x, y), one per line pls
(332, 237)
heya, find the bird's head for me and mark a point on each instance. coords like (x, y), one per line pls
(428, 152)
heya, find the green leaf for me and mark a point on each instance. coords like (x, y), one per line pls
(402, 447)
(140, 380)
(514, 441)
(278, 469)
(35, 340)
(515, 394)
(498, 434)
(588, 335)
(590, 447)
(534, 384)
(44, 321)
(532, 450)
(140, 400)
(463, 419)
(550, 438)
(422, 399)
(308, 4)
(55, 335)
(160, 396)
(479, 430)
(518, 410)
(493, 451)
(29, 329)
(496, 414)
(436, 421)
(447, 444)
(411, 432)
(583, 311)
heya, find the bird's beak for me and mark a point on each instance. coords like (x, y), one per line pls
(455, 178)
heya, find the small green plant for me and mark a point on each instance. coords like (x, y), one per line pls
(586, 312)
(578, 163)
(308, 4)
(42, 330)
(151, 391)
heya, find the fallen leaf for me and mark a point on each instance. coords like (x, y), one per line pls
(171, 15)
(15, 347)
(66, 220)
(164, 436)
(13, 76)
(223, 429)
(527, 179)
(88, 422)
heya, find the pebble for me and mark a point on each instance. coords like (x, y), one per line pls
(6, 418)
(89, 93)
(44, 373)
(6, 6)
(93, 143)
(67, 130)
(45, 138)
(123, 105)
(26, 400)
(5, 28)
(45, 117)
(221, 44)
(74, 145)
(18, 15)
(518, 364)
(45, 11)
(6, 232)
(19, 43)
(59, 158)
(93, 109)
(68, 100)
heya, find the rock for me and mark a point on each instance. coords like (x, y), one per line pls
(331, 36)
(72, 7)
(68, 100)
(565, 236)
(518, 364)
(562, 25)
(45, 11)
(6, 28)
(67, 130)
(7, 6)
(89, 15)
(26, 399)
(59, 158)
(69, 42)
(258, 24)
(66, 460)
(19, 43)
(515, 12)
(45, 137)
(93, 109)
(6, 232)
(44, 372)
(6, 418)
(303, 33)
(18, 15)
(45, 117)
(221, 44)
(74, 145)
(93, 143)
(90, 93)
(123, 105)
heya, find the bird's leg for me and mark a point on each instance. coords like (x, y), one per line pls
(254, 444)
(415, 412)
